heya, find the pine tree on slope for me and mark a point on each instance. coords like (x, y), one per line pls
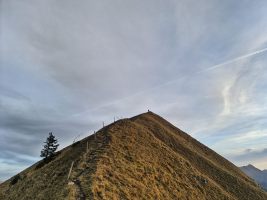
(50, 146)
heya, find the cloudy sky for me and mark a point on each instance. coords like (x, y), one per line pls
(68, 65)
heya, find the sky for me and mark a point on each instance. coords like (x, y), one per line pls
(66, 66)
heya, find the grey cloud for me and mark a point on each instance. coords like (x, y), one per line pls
(12, 94)
(251, 155)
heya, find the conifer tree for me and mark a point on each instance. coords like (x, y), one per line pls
(50, 146)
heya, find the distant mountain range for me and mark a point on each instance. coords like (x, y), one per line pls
(260, 176)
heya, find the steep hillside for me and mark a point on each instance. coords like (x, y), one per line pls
(144, 157)
(258, 175)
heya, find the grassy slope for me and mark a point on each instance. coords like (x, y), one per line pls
(144, 157)
(148, 158)
(49, 182)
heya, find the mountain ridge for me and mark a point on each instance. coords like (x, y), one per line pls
(260, 176)
(143, 157)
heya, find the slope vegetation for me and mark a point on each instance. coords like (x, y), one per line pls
(144, 157)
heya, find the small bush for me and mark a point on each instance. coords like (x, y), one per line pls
(76, 143)
(15, 179)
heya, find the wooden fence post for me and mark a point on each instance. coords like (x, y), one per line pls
(70, 169)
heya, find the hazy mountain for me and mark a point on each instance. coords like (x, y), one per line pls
(258, 175)
(144, 157)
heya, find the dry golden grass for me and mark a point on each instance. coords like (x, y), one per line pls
(49, 181)
(148, 158)
(144, 157)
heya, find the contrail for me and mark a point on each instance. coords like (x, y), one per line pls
(233, 60)
(211, 68)
(175, 80)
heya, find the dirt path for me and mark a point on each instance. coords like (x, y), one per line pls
(81, 175)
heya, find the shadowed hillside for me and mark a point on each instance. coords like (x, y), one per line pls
(258, 175)
(144, 157)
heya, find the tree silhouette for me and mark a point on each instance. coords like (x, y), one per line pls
(50, 146)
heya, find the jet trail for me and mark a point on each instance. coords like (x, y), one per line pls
(233, 60)
(213, 67)
(175, 80)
